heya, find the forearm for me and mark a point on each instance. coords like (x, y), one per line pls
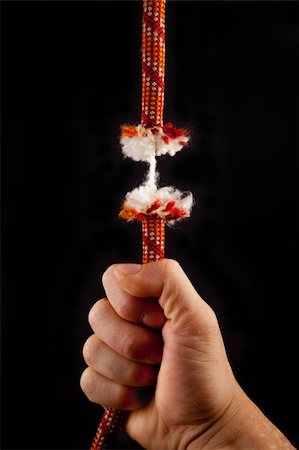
(242, 427)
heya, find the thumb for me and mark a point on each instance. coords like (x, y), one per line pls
(165, 280)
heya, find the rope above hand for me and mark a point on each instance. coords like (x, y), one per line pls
(149, 204)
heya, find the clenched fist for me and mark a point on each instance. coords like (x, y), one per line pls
(157, 352)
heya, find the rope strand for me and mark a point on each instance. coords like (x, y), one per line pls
(153, 247)
(153, 71)
(153, 63)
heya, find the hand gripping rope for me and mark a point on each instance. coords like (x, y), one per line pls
(150, 205)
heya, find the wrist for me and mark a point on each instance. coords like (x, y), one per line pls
(241, 426)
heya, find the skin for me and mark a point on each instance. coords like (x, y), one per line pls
(157, 351)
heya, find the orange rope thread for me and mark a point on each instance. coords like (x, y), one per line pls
(153, 63)
(153, 248)
(153, 238)
(110, 423)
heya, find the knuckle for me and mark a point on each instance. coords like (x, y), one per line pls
(208, 322)
(97, 312)
(87, 382)
(94, 313)
(170, 274)
(171, 268)
(106, 275)
(212, 319)
(90, 350)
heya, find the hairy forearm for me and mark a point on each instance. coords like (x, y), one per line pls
(242, 427)
(257, 432)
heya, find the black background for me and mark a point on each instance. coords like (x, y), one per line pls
(70, 77)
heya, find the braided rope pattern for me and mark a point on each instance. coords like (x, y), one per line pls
(153, 63)
(153, 239)
(153, 247)
(153, 71)
(111, 422)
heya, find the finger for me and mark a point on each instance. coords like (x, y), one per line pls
(100, 390)
(127, 339)
(164, 279)
(137, 310)
(106, 362)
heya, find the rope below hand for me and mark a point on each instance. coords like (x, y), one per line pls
(150, 205)
(153, 249)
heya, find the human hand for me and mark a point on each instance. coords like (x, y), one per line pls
(153, 316)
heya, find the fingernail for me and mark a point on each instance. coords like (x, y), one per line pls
(144, 394)
(153, 319)
(128, 269)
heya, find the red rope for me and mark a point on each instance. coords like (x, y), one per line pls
(153, 63)
(110, 423)
(153, 68)
(153, 247)
(153, 239)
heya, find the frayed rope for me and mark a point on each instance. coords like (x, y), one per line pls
(167, 203)
(140, 143)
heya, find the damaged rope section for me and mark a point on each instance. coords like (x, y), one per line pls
(149, 204)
